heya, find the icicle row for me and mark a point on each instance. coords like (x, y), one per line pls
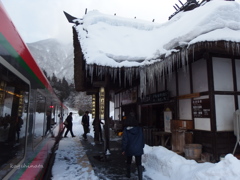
(151, 74)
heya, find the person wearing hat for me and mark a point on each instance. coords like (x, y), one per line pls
(69, 125)
(85, 123)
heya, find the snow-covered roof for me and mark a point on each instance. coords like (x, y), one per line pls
(108, 40)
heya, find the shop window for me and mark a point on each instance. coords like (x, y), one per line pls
(117, 115)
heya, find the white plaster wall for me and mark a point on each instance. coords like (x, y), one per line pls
(185, 109)
(202, 124)
(222, 74)
(225, 108)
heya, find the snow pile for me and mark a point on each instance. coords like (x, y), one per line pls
(114, 41)
(160, 162)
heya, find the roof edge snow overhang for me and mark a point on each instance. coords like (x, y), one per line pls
(182, 56)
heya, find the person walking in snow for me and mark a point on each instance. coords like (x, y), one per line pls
(85, 123)
(133, 144)
(69, 125)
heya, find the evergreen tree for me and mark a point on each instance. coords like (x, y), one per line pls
(66, 93)
(53, 80)
(45, 73)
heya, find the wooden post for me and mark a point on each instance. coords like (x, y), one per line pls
(106, 116)
(97, 120)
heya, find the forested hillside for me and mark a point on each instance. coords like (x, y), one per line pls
(56, 61)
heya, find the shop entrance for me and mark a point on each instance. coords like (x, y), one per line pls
(152, 116)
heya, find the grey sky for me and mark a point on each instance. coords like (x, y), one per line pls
(41, 19)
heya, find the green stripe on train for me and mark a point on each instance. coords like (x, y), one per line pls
(14, 53)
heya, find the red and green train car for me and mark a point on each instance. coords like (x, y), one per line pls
(25, 97)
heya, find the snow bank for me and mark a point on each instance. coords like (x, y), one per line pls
(160, 162)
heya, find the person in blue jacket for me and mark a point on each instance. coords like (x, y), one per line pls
(133, 144)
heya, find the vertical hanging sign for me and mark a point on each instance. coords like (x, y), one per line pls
(167, 120)
(93, 105)
(101, 102)
(20, 105)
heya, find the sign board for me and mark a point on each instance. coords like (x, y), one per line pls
(167, 121)
(201, 108)
(156, 98)
(129, 96)
(93, 105)
(101, 102)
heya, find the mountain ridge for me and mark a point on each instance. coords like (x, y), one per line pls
(54, 57)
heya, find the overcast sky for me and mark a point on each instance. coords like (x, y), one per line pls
(41, 19)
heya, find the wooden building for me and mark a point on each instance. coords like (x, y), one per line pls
(185, 71)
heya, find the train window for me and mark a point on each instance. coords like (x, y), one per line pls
(14, 95)
(39, 118)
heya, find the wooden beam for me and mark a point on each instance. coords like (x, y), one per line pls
(92, 91)
(189, 96)
(99, 83)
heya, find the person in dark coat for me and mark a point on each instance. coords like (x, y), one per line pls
(133, 144)
(49, 119)
(69, 125)
(97, 129)
(85, 123)
(19, 124)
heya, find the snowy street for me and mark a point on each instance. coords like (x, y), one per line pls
(77, 159)
(80, 159)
